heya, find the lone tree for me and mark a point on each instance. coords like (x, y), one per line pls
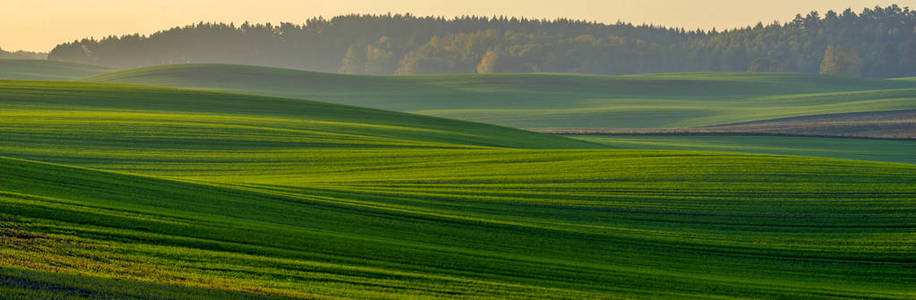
(488, 62)
(355, 60)
(841, 61)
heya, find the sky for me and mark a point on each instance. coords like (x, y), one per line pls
(39, 25)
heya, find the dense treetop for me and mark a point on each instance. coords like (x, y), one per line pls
(877, 42)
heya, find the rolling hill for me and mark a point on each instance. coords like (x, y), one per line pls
(24, 69)
(38, 110)
(554, 100)
(112, 190)
(491, 224)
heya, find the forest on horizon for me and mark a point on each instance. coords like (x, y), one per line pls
(876, 42)
(22, 55)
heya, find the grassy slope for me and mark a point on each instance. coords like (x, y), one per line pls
(38, 112)
(491, 224)
(23, 69)
(556, 101)
(845, 148)
(232, 196)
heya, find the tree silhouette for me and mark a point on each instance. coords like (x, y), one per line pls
(841, 61)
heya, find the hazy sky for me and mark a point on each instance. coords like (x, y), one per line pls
(41, 24)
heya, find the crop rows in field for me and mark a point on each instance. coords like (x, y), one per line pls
(132, 191)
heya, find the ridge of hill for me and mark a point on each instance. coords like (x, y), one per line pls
(122, 113)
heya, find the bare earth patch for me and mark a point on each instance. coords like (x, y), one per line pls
(881, 125)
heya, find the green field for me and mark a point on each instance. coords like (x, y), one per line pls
(24, 69)
(555, 100)
(846, 148)
(128, 191)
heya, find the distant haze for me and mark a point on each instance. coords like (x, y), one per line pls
(39, 25)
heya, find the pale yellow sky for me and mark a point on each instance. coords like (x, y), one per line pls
(41, 24)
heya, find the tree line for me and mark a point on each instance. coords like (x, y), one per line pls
(22, 55)
(876, 42)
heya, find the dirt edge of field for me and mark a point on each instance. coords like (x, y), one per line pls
(894, 125)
